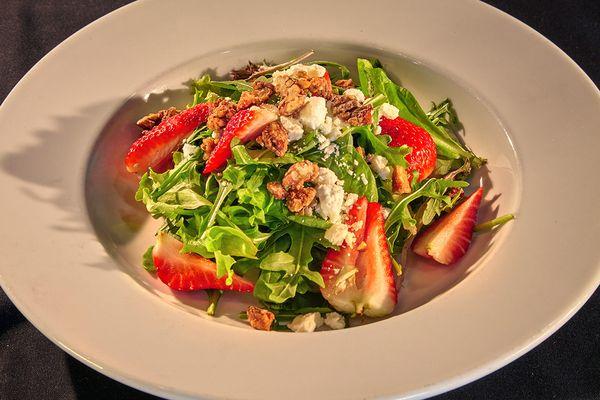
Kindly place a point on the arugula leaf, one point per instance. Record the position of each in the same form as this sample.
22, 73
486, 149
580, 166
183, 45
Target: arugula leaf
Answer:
242, 156
148, 261
350, 167
432, 188
277, 286
374, 80
378, 144
310, 221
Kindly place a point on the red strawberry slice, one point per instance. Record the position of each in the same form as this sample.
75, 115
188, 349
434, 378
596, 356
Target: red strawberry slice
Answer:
190, 271
448, 239
245, 125
423, 156
360, 279
156, 146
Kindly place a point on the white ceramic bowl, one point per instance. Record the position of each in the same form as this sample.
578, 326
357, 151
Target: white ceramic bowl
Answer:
73, 237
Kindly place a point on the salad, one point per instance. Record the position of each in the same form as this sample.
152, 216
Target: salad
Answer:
306, 188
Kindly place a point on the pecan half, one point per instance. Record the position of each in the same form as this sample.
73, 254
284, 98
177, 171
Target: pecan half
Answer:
207, 146
292, 101
321, 87
153, 119
344, 83
220, 115
261, 93
277, 190
350, 110
299, 198
259, 318
275, 138
299, 174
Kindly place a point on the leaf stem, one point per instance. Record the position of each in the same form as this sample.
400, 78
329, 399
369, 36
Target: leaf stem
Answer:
494, 223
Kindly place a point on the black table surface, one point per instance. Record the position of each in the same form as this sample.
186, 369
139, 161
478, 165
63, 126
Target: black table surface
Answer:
565, 366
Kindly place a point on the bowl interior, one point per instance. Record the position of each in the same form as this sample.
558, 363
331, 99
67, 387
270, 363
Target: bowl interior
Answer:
126, 230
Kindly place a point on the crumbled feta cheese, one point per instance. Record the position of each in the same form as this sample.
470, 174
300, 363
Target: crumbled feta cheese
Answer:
306, 322
389, 111
336, 234
332, 127
379, 165
189, 150
313, 70
386, 212
293, 127
378, 130
330, 150
323, 141
364, 179
356, 93
355, 162
334, 320
330, 192
313, 114
351, 198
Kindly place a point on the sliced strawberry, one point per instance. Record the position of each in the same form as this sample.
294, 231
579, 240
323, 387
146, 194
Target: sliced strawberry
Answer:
155, 146
189, 271
448, 239
360, 279
245, 125
423, 156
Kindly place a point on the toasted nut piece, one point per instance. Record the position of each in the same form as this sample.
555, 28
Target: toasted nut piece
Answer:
350, 110
299, 198
360, 151
321, 86
153, 119
400, 180
292, 102
220, 115
361, 246
207, 146
300, 173
275, 138
262, 93
344, 83
276, 190
259, 318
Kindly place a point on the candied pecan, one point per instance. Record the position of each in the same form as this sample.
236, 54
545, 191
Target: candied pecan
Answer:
244, 72
363, 115
275, 138
300, 173
207, 146
276, 190
261, 93
350, 110
321, 86
153, 119
292, 102
259, 318
344, 83
299, 198
220, 115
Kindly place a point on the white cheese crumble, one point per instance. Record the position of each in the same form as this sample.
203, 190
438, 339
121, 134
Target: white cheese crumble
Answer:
364, 179
330, 192
334, 320
356, 93
293, 127
379, 165
313, 70
349, 202
313, 114
336, 234
306, 322
330, 150
189, 150
389, 111
378, 130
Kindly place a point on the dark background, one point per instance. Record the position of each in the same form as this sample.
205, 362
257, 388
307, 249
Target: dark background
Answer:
565, 366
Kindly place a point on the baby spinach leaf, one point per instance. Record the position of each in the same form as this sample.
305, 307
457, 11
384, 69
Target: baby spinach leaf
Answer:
148, 261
